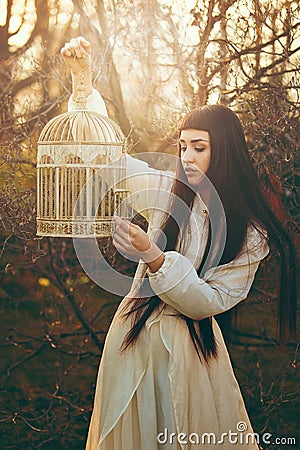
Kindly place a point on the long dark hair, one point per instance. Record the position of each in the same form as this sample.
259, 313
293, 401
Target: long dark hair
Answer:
233, 176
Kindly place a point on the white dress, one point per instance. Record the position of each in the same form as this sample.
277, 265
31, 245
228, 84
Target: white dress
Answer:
158, 394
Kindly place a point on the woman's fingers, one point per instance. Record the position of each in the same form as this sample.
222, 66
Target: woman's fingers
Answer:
76, 54
132, 242
130, 238
78, 47
122, 241
85, 43
121, 236
66, 51
127, 229
122, 228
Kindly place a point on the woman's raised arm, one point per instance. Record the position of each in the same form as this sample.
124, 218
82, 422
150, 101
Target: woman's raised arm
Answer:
142, 181
77, 56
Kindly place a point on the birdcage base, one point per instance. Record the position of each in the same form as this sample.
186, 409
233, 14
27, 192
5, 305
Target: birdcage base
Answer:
79, 229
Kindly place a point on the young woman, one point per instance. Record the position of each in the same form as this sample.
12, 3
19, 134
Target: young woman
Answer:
165, 380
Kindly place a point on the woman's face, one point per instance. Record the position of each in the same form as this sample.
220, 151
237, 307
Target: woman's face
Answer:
194, 153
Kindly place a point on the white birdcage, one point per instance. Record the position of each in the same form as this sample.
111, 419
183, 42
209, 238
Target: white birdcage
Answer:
81, 169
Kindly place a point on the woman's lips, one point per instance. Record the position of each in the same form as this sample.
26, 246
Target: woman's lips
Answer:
190, 171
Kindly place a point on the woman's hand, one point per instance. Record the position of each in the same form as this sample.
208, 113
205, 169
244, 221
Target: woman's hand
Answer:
131, 241
77, 56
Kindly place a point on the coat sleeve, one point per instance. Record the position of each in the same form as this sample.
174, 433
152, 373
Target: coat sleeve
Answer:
95, 103
178, 284
149, 188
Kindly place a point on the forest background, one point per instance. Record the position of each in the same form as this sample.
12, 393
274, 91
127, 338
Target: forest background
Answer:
152, 61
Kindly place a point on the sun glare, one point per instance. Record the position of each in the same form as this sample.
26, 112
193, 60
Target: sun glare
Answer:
3, 12
21, 21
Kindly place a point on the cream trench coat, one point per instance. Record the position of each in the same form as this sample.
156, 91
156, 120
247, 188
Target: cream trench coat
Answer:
158, 394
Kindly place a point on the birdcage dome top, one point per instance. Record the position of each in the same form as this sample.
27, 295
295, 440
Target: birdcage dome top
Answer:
82, 126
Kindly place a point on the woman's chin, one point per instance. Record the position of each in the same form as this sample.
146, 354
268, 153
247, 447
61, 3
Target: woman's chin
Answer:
195, 179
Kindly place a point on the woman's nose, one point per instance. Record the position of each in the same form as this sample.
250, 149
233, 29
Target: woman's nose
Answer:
188, 155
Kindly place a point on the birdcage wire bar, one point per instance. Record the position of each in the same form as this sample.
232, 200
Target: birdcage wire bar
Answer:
81, 176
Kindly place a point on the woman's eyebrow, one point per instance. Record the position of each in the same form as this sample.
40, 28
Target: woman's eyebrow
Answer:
195, 140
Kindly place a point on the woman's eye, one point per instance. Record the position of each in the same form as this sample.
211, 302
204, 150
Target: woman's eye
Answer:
197, 149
